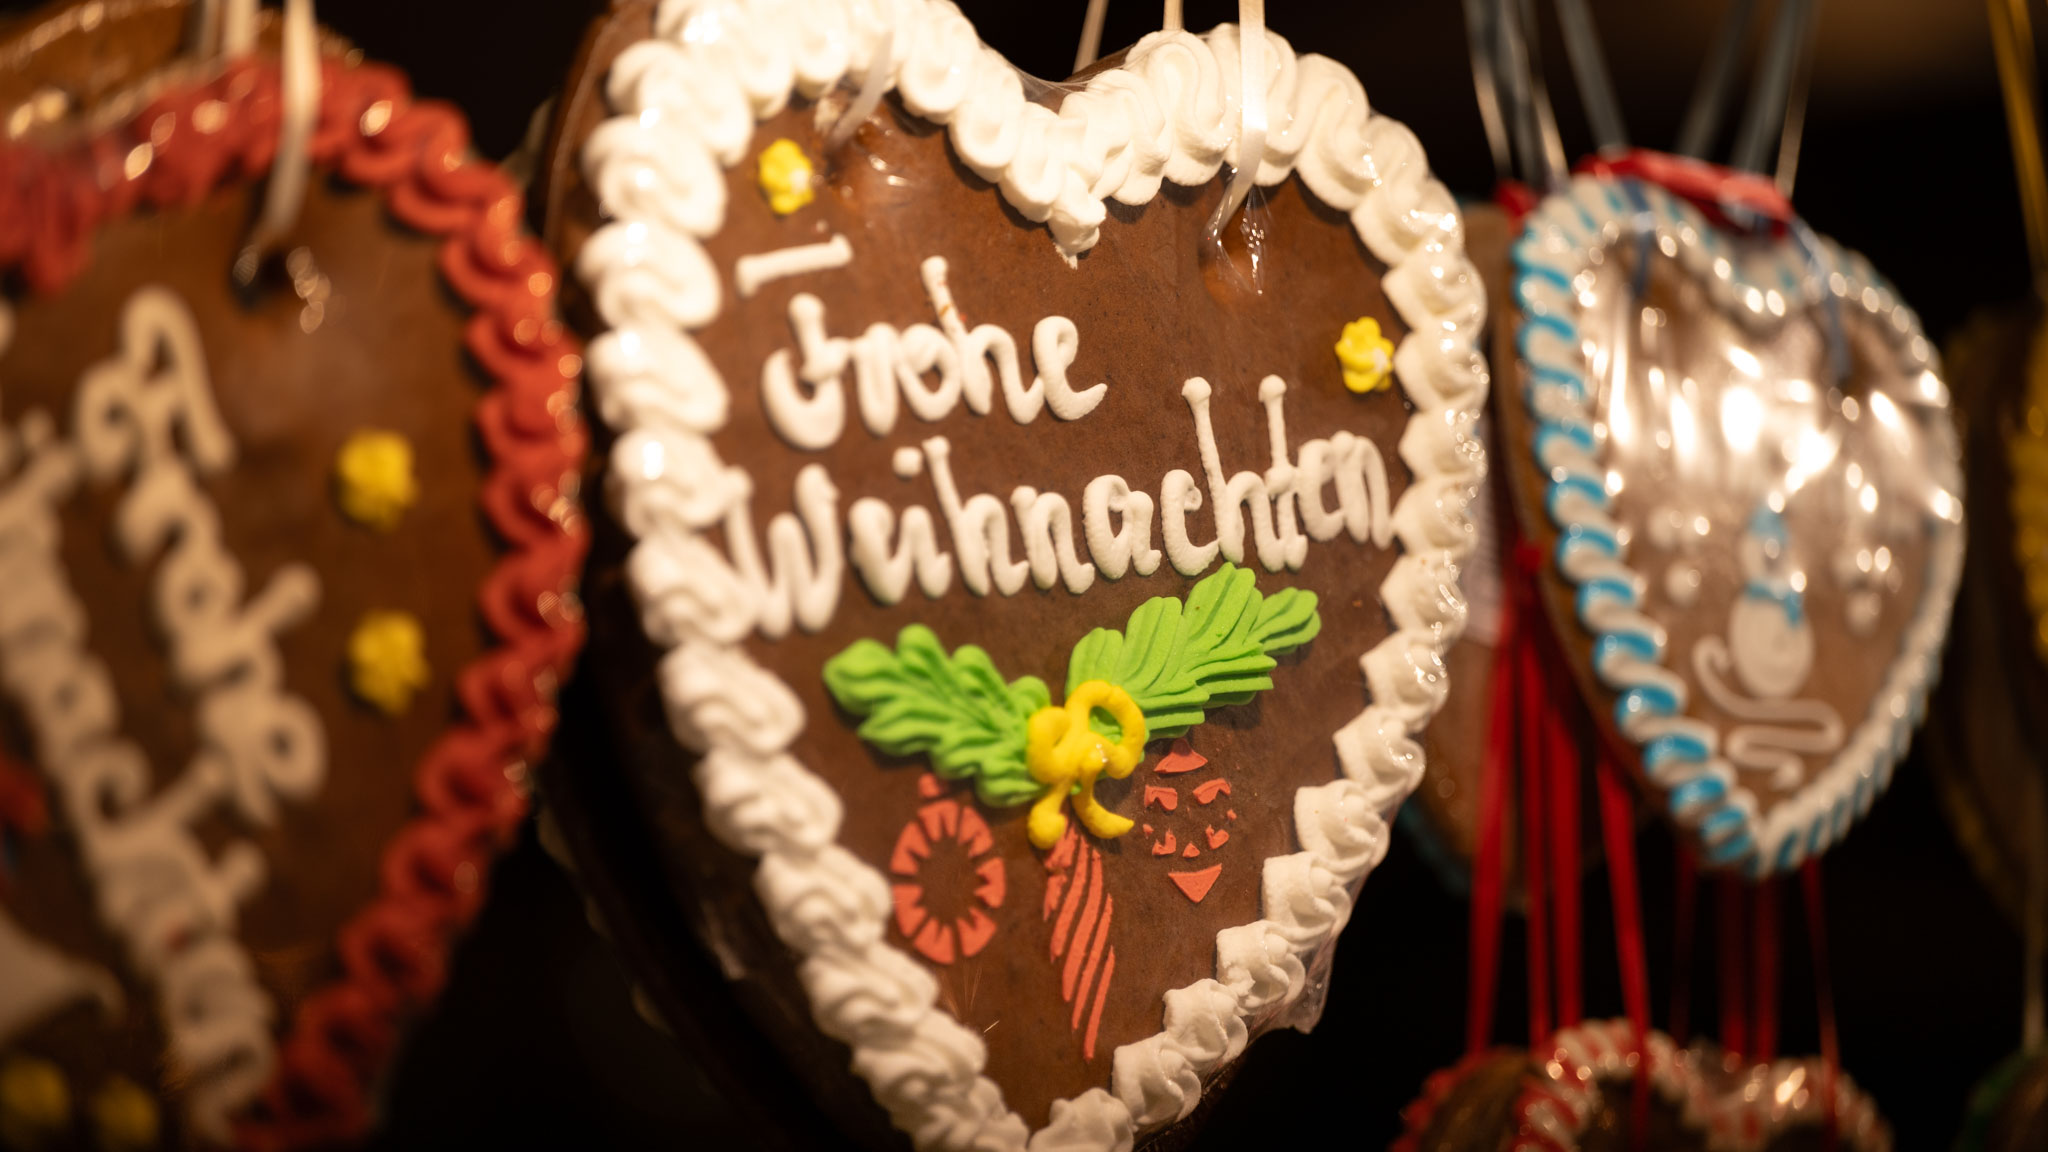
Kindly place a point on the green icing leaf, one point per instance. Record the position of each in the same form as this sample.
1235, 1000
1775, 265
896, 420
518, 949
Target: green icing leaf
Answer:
957, 710
1177, 662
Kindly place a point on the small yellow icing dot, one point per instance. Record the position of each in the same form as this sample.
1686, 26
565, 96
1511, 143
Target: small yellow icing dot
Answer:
124, 1117
373, 478
35, 1102
1366, 356
387, 660
786, 176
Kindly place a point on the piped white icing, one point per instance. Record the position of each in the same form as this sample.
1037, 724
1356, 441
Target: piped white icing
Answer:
37, 981
1169, 112
146, 415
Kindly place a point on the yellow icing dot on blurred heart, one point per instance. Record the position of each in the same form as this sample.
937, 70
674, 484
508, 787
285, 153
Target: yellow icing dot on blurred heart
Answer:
387, 660
1366, 356
35, 1103
785, 174
124, 1117
373, 478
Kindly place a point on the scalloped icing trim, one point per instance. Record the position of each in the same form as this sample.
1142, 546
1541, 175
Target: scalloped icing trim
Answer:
685, 105
1559, 1097
394, 952
1559, 240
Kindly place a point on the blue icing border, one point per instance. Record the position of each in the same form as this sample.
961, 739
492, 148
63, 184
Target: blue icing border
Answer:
1702, 792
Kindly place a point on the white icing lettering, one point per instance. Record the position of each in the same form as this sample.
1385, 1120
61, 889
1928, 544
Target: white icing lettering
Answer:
1046, 522
750, 272
1128, 546
979, 526
887, 573
147, 413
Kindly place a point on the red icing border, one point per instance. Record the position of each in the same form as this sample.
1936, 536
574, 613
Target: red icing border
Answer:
1436, 1091
469, 784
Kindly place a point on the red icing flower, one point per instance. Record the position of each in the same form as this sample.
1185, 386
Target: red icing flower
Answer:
951, 879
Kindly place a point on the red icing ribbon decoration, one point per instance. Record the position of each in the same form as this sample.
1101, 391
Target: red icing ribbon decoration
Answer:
470, 784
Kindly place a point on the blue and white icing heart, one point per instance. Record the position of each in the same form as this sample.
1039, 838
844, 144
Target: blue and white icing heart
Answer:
1715, 445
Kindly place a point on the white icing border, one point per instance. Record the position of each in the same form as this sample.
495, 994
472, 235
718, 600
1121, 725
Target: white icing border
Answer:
1761, 288
686, 103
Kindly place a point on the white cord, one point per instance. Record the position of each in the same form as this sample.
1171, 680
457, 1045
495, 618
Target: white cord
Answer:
881, 69
238, 28
1251, 135
292, 169
1172, 21
1091, 34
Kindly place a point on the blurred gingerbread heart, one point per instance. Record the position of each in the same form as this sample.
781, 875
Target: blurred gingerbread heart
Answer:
1737, 451
289, 513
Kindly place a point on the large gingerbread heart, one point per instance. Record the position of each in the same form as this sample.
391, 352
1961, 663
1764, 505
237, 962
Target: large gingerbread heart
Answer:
1042, 608
1737, 449
290, 563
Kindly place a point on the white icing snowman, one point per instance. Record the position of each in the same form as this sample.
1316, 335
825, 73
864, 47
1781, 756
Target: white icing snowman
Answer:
1770, 639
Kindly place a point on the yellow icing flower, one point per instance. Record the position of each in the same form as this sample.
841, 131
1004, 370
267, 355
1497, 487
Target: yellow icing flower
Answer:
1367, 356
124, 1117
373, 478
387, 660
785, 176
35, 1102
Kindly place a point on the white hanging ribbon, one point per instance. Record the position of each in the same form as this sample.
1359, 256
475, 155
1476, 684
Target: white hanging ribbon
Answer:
1251, 133
1091, 34
292, 169
881, 68
238, 28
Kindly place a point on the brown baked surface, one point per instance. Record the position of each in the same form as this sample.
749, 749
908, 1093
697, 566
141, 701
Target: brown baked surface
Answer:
1147, 322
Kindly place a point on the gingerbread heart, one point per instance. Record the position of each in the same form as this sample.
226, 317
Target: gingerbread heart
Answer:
1737, 450
291, 548
1042, 602
1577, 1092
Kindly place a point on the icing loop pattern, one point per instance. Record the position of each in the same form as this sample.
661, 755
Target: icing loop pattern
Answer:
684, 106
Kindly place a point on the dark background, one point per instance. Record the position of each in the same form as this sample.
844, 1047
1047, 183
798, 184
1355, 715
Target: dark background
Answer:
1906, 158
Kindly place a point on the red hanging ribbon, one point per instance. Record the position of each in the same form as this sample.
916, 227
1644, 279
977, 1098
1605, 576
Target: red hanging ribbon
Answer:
1617, 825
1763, 1028
1561, 753
1482, 966
1824, 1000
1734, 965
1535, 751
1684, 903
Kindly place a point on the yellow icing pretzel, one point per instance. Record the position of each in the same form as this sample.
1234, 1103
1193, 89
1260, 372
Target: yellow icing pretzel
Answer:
1063, 750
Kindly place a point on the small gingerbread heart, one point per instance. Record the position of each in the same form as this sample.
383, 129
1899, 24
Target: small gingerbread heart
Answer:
1736, 449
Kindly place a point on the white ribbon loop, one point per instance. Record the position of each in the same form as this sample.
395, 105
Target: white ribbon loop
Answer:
300, 95
1251, 133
